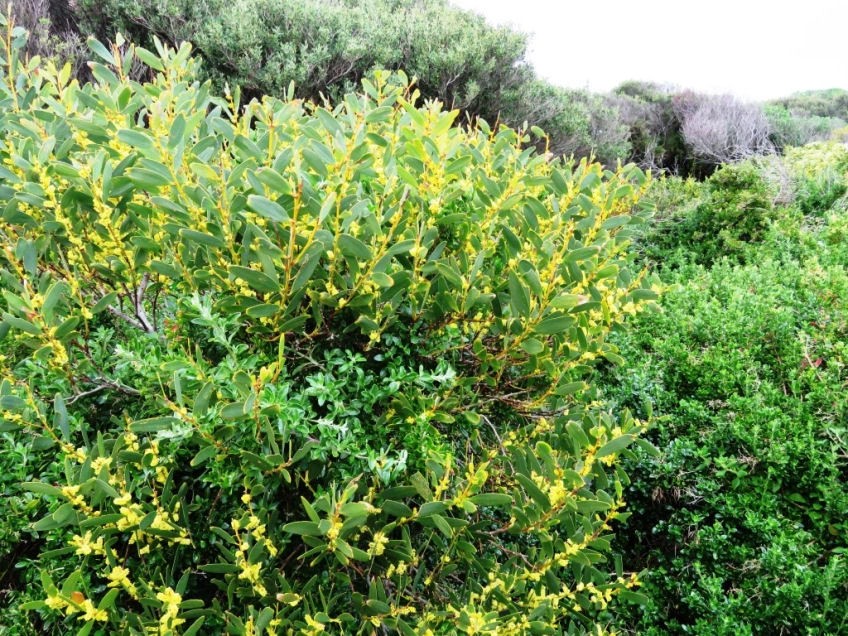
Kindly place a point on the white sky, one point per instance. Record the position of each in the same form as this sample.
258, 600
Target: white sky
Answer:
751, 48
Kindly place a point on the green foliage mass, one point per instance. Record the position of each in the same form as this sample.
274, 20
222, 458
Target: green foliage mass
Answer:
280, 368
717, 218
326, 47
741, 520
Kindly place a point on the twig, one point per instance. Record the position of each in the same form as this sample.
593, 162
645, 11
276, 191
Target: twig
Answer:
105, 384
138, 301
140, 320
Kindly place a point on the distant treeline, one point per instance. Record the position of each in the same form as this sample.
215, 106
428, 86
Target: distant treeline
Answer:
325, 47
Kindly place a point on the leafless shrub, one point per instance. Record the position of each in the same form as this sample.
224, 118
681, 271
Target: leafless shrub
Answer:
52, 31
721, 129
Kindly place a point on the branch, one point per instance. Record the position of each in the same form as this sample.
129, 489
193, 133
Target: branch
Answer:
140, 320
104, 384
138, 301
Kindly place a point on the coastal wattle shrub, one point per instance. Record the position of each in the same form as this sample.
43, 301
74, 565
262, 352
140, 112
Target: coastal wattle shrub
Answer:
280, 368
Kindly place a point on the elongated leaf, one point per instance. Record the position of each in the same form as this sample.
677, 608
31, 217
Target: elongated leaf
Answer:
306, 528
271, 210
260, 281
614, 446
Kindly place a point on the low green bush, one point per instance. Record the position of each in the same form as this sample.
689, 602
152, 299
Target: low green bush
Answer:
283, 368
741, 520
818, 173
719, 218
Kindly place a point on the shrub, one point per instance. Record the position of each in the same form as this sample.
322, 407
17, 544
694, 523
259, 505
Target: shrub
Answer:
831, 102
654, 124
729, 212
579, 123
744, 370
818, 172
304, 368
720, 129
327, 46
792, 129
53, 31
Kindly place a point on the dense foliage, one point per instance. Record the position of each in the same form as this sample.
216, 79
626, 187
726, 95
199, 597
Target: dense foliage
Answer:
741, 520
325, 47
273, 367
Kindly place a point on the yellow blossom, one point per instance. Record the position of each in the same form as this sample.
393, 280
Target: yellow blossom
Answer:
378, 544
119, 577
91, 613
84, 545
100, 463
170, 601
314, 626
55, 602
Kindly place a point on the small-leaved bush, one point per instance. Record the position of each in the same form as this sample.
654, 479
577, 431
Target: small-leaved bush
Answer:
818, 172
741, 520
276, 368
726, 213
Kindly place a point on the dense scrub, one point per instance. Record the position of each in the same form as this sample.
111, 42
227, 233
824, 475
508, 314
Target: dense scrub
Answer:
273, 367
741, 520
325, 47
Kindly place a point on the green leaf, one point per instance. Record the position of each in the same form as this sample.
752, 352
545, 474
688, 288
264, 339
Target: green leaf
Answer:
203, 455
106, 488
194, 629
589, 506
153, 424
201, 237
219, 568
104, 302
108, 600
494, 499
60, 417
533, 491
432, 508
233, 411
263, 311
64, 513
519, 296
305, 528
271, 210
12, 403
615, 445
264, 619
21, 324
395, 508
41, 488
644, 294
351, 246
66, 327
101, 51
570, 388
259, 281
576, 432
442, 525
53, 296
137, 139
383, 113
634, 597
149, 58
33, 605
532, 346
554, 325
